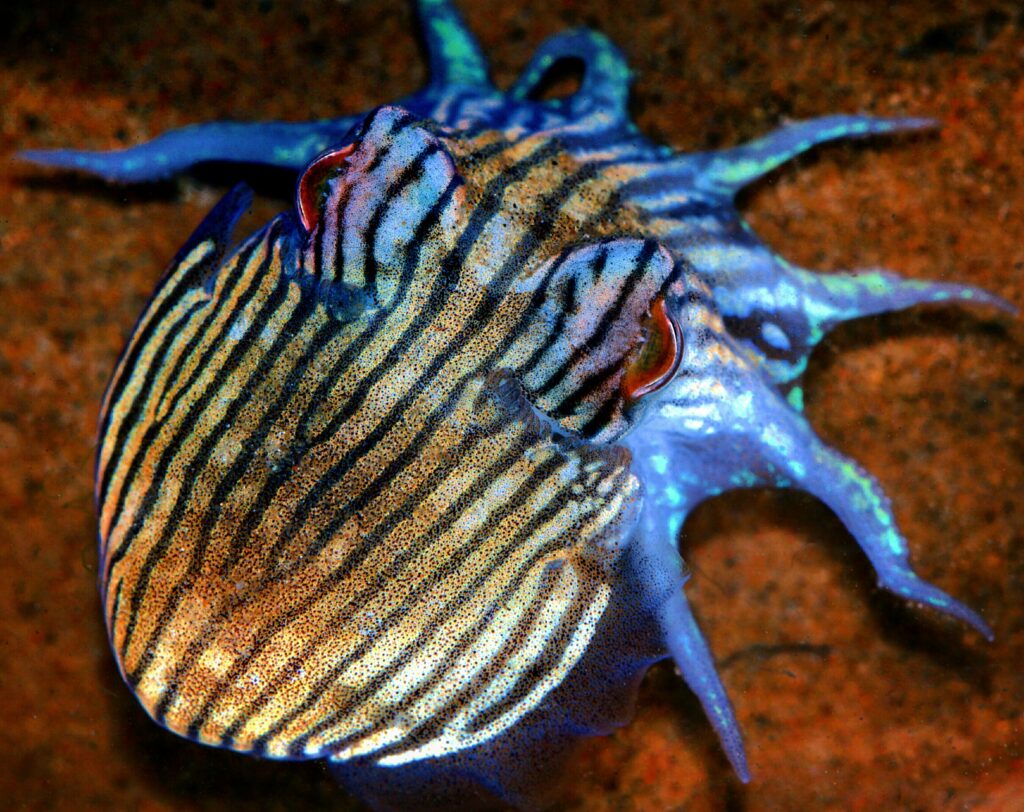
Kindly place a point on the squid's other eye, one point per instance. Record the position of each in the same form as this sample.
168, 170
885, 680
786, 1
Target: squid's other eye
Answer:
657, 355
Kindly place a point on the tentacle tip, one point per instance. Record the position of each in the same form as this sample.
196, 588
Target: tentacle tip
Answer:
723, 720
918, 123
739, 766
74, 159
918, 591
975, 295
735, 752
968, 616
981, 627
110, 166
870, 291
1005, 305
42, 157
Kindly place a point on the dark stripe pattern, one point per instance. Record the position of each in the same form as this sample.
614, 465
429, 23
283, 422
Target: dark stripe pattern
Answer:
350, 500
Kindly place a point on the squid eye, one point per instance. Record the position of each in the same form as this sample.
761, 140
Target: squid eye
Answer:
656, 358
312, 185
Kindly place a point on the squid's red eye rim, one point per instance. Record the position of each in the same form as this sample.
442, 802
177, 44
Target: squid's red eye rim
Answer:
309, 194
658, 360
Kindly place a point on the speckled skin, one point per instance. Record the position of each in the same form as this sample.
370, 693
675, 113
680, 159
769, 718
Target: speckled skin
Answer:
942, 484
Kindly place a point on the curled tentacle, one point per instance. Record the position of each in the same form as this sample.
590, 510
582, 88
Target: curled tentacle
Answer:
604, 87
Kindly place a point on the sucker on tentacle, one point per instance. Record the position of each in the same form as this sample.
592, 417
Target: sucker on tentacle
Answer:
399, 480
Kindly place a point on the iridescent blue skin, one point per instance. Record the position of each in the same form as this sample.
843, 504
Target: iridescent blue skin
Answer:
731, 418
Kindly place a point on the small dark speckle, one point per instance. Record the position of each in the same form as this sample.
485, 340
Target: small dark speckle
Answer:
967, 36
65, 338
980, 403
29, 609
735, 67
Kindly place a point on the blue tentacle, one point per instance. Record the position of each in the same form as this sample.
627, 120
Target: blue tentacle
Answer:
696, 664
656, 560
720, 425
454, 54
783, 311
727, 171
777, 309
275, 143
726, 427
713, 178
606, 80
455, 61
